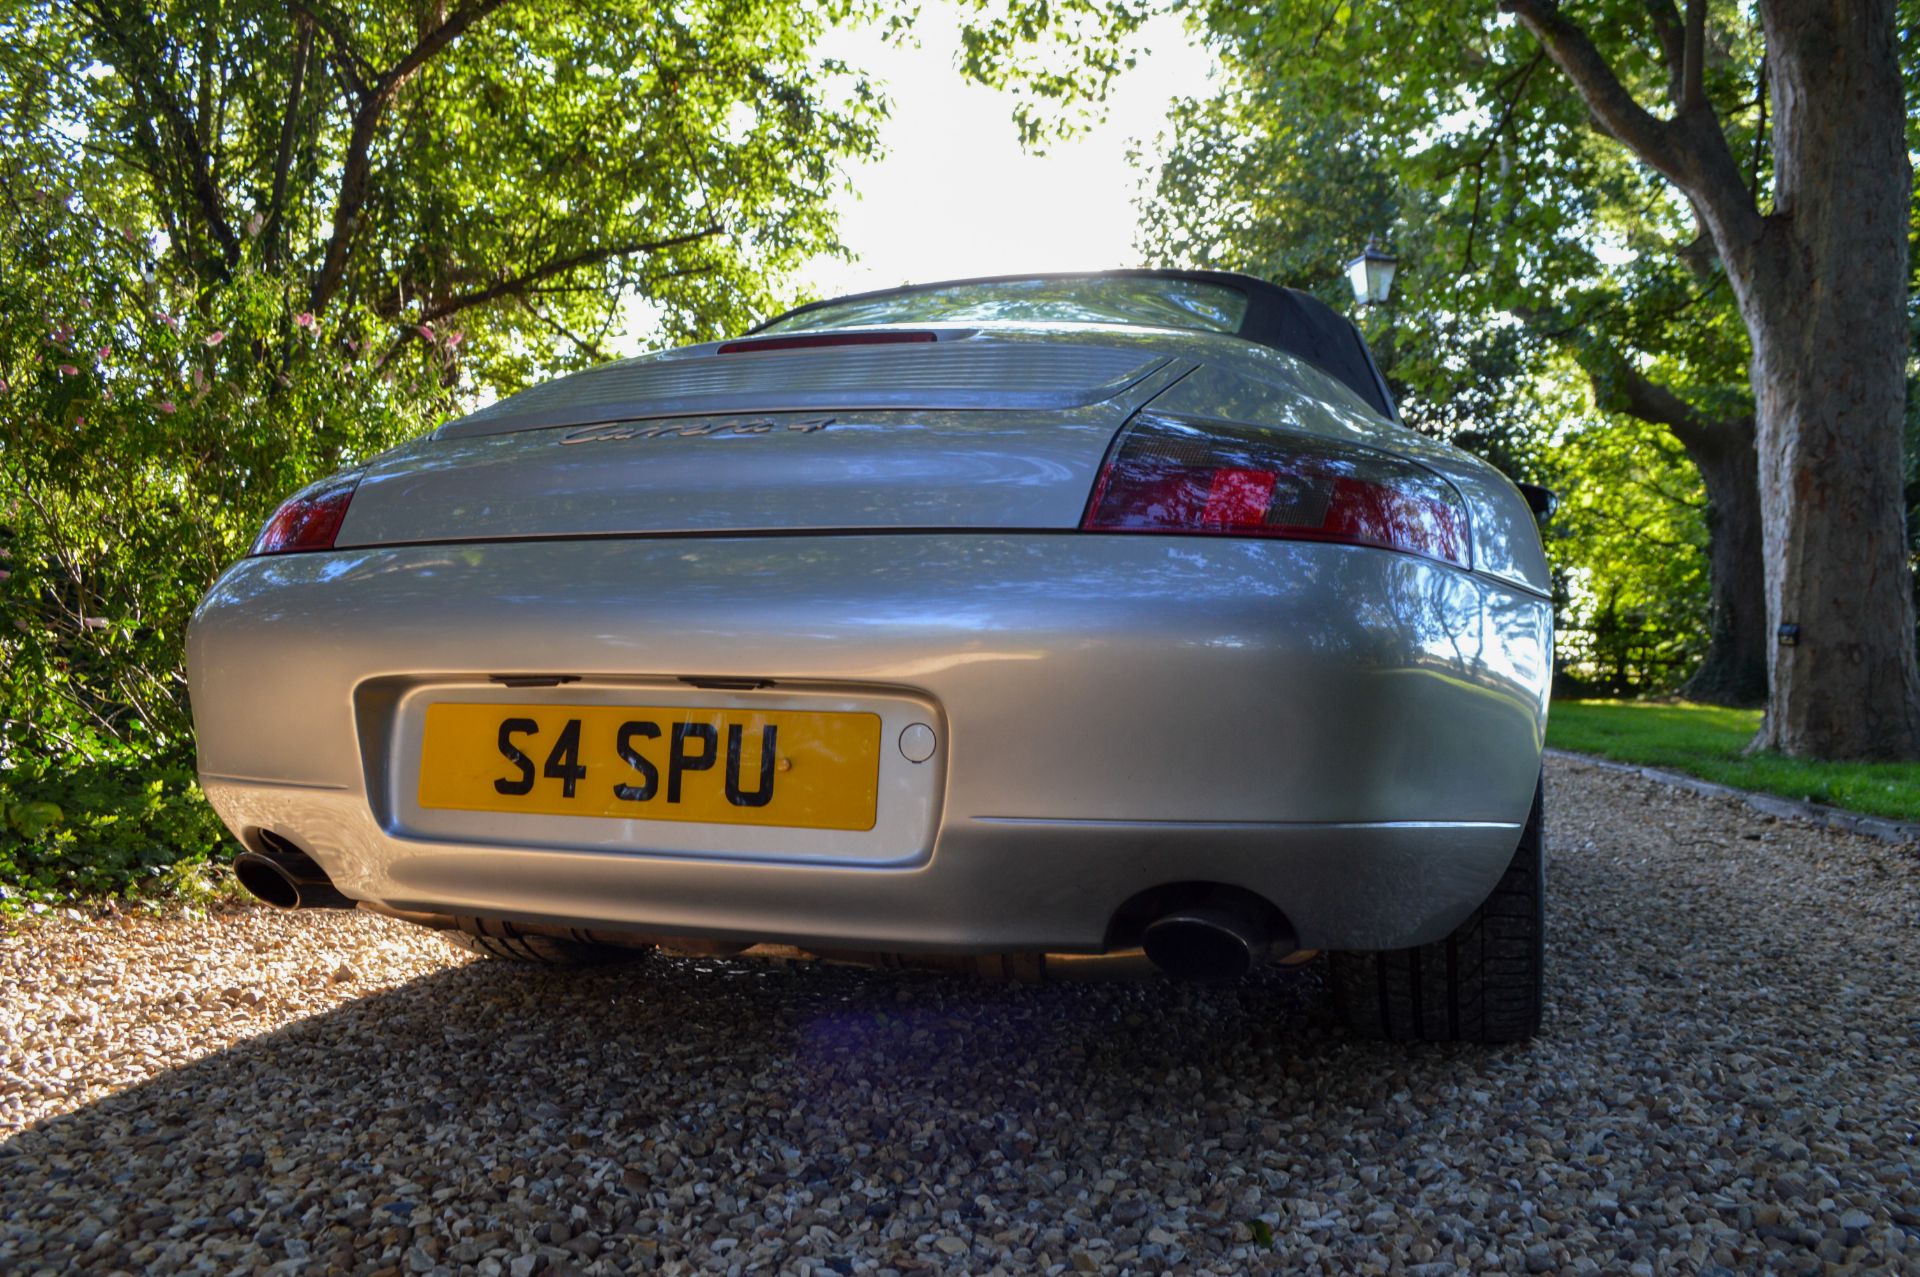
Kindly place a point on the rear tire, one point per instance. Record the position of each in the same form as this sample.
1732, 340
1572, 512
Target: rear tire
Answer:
1483, 983
503, 940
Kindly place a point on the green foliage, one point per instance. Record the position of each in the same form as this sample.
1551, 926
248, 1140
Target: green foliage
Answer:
1710, 742
125, 827
150, 425
1628, 547
245, 245
530, 168
1446, 133
1056, 58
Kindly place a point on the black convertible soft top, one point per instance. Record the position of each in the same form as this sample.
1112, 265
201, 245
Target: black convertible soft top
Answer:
1284, 319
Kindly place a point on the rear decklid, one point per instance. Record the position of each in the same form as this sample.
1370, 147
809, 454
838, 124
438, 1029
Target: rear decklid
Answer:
882, 369
963, 431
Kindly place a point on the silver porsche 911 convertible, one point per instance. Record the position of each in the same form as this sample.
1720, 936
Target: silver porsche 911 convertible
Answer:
1037, 615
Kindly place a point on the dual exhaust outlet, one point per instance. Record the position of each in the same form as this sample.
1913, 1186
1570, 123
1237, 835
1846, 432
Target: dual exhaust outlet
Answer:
1210, 943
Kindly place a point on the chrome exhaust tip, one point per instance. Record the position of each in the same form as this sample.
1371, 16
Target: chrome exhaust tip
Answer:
1207, 943
287, 878
266, 881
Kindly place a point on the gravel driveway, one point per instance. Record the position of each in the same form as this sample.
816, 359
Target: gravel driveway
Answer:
1727, 1084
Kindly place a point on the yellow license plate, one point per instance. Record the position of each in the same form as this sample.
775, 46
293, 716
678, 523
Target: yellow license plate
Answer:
638, 762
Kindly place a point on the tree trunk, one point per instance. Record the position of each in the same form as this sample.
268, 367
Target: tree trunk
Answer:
1823, 291
1735, 669
1822, 287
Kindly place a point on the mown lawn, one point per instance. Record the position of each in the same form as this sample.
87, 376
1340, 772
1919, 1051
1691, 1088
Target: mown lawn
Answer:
1706, 741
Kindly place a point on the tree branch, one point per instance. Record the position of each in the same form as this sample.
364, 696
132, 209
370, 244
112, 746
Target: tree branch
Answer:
523, 284
1520, 79
1690, 150
189, 156
1661, 490
1640, 396
1620, 387
591, 347
283, 159
1672, 34
1638, 531
352, 66
356, 169
518, 284
1693, 80
1627, 389
1611, 104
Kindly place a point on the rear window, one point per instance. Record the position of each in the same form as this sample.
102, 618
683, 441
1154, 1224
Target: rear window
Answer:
1155, 303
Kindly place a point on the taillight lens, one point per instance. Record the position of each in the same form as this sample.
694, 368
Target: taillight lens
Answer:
309, 519
1213, 478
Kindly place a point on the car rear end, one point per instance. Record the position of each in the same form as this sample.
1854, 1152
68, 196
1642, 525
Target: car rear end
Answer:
982, 642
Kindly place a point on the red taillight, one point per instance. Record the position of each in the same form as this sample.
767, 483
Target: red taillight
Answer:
808, 340
1227, 480
309, 519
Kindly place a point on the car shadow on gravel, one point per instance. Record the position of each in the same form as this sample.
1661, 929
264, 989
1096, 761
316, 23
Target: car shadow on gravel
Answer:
657, 1104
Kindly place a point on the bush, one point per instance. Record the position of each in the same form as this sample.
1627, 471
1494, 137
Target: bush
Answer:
227, 270
150, 426
123, 827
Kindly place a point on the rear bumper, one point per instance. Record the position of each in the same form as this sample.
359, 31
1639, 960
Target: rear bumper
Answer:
1352, 734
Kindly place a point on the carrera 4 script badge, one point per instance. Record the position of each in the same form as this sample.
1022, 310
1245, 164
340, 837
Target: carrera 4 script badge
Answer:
695, 428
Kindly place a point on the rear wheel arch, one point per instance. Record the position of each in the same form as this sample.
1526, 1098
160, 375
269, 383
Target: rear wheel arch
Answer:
1484, 982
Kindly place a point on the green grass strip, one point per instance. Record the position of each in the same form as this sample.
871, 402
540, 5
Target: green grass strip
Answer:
1707, 741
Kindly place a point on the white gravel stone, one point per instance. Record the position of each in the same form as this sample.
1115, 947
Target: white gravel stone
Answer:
1726, 1085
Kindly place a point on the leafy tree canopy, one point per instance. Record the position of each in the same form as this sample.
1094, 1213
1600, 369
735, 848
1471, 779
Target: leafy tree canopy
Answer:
519, 169
244, 244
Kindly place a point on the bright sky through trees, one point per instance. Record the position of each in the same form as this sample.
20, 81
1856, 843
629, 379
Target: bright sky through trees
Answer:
956, 196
